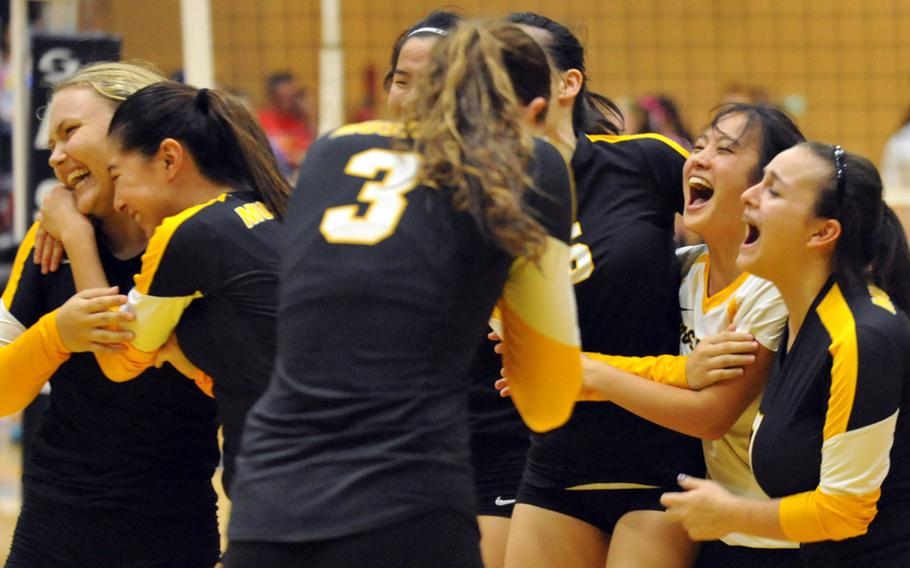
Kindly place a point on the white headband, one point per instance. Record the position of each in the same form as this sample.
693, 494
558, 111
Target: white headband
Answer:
436, 31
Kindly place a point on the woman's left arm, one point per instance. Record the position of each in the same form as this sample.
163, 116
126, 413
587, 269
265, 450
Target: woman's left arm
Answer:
860, 421
863, 406
62, 221
708, 511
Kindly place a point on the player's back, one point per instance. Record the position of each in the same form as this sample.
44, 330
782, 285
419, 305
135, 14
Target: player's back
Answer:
380, 275
384, 290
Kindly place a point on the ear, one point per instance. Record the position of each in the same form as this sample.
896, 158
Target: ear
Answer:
571, 82
532, 112
827, 231
172, 155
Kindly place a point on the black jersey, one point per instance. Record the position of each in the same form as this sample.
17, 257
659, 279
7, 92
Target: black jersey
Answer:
495, 422
384, 291
214, 269
149, 446
626, 276
833, 434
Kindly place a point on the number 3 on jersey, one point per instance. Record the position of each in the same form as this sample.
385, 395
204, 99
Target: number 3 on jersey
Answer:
385, 198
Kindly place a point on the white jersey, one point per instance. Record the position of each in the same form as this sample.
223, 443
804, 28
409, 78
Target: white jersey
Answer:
756, 307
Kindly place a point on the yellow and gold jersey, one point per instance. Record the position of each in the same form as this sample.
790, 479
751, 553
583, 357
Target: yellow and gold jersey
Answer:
210, 273
385, 289
148, 447
754, 306
832, 437
626, 279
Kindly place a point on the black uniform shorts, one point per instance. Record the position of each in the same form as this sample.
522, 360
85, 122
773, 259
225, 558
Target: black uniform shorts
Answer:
601, 508
59, 536
497, 476
441, 539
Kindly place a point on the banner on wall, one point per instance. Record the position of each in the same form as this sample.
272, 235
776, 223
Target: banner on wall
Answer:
54, 58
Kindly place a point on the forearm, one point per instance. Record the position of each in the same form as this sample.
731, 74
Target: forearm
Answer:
82, 251
695, 413
757, 517
666, 369
28, 362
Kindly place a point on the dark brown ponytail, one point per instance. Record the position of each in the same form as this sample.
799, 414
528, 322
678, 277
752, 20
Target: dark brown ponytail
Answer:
225, 139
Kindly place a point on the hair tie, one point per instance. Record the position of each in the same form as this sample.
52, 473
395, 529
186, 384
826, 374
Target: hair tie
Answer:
202, 100
428, 30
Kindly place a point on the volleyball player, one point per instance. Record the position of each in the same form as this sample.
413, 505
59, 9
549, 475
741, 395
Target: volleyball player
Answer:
118, 476
499, 438
193, 168
580, 479
831, 443
410, 54
399, 243
726, 159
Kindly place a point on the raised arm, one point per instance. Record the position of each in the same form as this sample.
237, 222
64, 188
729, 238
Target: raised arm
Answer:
61, 220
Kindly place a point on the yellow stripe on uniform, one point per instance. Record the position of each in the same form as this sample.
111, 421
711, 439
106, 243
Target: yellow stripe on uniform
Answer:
530, 292
854, 465
614, 138
814, 516
665, 369
159, 241
542, 340
610, 486
544, 374
378, 127
881, 299
838, 320
22, 256
121, 366
708, 303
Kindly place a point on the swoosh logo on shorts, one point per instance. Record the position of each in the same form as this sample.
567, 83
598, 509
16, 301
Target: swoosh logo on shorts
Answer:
500, 502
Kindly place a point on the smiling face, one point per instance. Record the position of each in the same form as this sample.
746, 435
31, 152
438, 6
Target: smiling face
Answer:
780, 214
414, 55
721, 166
141, 190
78, 122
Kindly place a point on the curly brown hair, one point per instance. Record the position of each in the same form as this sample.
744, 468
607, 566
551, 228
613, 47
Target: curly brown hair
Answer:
466, 122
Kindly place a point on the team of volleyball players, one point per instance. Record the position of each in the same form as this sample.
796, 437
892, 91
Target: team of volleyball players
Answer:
339, 336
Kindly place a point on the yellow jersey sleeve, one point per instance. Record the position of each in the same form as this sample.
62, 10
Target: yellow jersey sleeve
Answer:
27, 362
540, 330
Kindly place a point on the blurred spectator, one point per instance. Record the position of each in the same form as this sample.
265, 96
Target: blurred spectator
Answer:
896, 166
6, 139
749, 94
287, 121
657, 113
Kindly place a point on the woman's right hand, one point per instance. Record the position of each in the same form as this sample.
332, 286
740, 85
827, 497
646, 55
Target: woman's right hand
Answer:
502, 384
90, 321
720, 357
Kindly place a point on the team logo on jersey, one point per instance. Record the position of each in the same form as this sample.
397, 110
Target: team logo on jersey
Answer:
687, 336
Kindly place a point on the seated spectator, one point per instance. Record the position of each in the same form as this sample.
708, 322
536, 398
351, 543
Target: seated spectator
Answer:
286, 121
